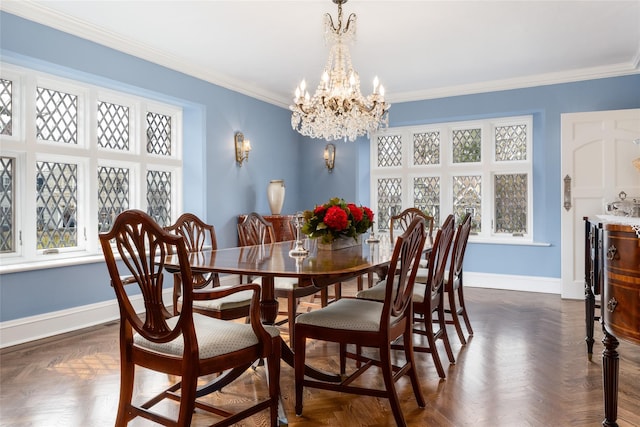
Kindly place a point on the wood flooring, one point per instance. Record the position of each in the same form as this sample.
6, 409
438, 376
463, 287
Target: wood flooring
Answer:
526, 365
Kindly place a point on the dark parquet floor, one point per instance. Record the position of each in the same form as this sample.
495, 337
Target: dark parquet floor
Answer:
526, 365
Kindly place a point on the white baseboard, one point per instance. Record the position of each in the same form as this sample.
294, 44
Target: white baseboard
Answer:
547, 285
32, 328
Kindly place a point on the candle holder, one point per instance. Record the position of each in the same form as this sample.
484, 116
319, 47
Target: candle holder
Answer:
372, 237
299, 250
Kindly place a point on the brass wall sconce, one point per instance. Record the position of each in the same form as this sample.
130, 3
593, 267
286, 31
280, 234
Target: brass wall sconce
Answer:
330, 156
243, 146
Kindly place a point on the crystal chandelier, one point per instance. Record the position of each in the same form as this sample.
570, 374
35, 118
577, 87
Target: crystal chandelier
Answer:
337, 109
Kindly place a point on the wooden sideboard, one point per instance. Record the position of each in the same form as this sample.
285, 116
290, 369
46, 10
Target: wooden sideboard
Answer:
620, 306
281, 226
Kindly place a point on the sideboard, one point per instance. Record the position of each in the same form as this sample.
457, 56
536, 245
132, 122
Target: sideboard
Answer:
281, 226
620, 305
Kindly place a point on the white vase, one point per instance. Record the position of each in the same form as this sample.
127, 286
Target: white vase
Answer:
275, 195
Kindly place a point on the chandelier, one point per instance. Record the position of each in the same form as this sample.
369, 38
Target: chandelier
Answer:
337, 109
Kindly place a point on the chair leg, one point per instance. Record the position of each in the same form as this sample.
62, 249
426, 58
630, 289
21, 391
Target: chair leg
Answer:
343, 358
444, 335
324, 297
413, 374
299, 347
273, 366
187, 399
127, 375
463, 307
338, 291
387, 375
453, 309
359, 283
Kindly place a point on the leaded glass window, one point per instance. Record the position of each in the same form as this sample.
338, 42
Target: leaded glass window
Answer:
6, 107
511, 203
426, 196
389, 150
158, 134
159, 196
113, 195
56, 116
113, 126
7, 194
56, 202
511, 143
389, 201
426, 148
467, 198
467, 145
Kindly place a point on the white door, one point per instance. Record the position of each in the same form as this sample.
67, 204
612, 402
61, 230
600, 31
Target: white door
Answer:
598, 149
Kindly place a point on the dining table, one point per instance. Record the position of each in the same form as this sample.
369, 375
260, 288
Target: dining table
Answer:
299, 259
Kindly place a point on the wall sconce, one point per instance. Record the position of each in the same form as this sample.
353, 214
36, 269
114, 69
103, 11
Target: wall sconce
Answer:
330, 156
243, 146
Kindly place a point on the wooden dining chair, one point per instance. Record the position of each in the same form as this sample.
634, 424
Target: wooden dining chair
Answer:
369, 323
188, 345
403, 219
428, 297
253, 231
197, 234
453, 284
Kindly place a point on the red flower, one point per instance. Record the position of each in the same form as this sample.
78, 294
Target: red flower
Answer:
318, 210
369, 212
355, 211
336, 218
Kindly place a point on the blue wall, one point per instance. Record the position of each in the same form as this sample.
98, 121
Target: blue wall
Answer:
218, 190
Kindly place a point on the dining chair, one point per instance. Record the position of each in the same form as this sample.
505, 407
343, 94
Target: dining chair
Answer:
428, 297
369, 323
197, 234
253, 231
453, 284
189, 345
403, 219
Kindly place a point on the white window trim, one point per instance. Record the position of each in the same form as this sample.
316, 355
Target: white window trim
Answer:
27, 150
446, 170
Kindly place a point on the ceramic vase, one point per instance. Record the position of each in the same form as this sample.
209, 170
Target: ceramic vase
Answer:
340, 243
275, 195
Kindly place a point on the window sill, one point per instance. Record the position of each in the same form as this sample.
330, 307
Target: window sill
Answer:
7, 267
513, 242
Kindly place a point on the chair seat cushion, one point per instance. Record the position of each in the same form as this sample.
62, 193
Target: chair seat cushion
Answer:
215, 337
284, 283
238, 299
377, 292
346, 314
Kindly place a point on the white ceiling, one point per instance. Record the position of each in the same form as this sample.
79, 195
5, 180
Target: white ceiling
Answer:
419, 49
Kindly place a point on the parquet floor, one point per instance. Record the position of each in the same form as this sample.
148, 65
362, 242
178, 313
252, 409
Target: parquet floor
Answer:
525, 366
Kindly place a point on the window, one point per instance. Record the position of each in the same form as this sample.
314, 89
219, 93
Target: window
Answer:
481, 167
89, 153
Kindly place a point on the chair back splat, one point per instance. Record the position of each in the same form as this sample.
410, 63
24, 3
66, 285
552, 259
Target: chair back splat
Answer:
189, 344
369, 323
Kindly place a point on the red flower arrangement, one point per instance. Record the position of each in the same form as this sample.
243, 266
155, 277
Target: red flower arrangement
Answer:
335, 219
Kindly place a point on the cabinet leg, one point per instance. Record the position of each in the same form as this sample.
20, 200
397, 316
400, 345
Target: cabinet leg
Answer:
610, 367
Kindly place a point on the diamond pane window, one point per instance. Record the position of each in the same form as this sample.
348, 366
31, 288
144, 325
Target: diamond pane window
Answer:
56, 202
7, 192
113, 195
56, 116
6, 107
113, 126
159, 196
426, 196
467, 198
389, 150
467, 145
511, 203
426, 148
511, 143
158, 134
389, 200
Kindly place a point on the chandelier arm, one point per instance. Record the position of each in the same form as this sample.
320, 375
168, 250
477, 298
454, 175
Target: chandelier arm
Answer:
301, 108
363, 107
352, 18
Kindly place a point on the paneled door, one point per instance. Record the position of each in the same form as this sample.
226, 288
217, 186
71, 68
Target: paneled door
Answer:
598, 149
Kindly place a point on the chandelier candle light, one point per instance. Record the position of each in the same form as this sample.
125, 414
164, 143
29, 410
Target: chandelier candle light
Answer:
338, 110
